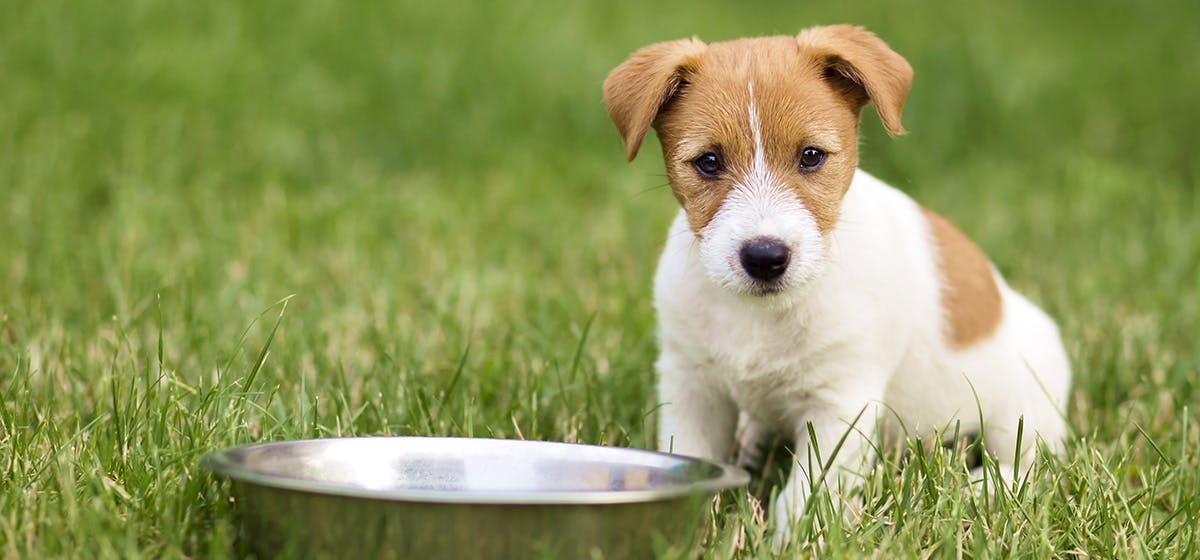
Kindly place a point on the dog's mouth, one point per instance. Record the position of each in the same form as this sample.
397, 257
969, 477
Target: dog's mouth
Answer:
766, 289
739, 282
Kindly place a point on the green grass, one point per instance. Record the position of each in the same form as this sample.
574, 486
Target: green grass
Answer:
437, 189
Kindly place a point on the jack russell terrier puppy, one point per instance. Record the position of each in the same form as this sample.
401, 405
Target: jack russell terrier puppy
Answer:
805, 296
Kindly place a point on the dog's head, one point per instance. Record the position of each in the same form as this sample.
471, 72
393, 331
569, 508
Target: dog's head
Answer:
760, 138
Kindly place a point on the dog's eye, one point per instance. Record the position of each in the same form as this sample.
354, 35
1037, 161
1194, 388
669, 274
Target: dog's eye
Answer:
811, 158
709, 165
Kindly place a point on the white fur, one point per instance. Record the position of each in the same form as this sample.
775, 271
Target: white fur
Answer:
858, 329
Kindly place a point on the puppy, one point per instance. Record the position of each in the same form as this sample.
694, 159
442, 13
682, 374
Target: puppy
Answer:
805, 294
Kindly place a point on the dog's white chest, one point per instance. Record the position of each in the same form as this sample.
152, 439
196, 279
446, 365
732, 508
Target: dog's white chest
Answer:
768, 360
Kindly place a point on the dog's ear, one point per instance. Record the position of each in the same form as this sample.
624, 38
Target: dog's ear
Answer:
635, 91
863, 67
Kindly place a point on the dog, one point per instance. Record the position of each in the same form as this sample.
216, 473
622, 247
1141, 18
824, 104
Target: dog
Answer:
799, 295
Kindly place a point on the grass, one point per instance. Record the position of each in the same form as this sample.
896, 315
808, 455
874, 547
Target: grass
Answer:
227, 222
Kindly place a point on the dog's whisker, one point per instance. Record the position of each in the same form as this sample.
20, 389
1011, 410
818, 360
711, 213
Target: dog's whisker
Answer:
651, 189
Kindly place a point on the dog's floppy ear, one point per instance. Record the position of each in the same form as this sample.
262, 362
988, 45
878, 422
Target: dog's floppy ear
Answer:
863, 66
635, 91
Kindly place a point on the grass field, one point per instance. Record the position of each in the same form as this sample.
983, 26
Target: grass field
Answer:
429, 203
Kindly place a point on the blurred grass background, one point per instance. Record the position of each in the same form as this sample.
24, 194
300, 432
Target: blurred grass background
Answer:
439, 187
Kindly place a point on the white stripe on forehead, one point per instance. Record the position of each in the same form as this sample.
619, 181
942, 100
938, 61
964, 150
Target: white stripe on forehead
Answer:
758, 174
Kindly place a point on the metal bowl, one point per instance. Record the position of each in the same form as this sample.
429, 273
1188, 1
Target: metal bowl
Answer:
424, 497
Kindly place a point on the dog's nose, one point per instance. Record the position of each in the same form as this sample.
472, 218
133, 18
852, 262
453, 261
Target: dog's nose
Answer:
765, 259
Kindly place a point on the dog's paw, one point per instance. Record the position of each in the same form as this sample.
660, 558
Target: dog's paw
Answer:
784, 512
752, 438
782, 536
749, 457
978, 482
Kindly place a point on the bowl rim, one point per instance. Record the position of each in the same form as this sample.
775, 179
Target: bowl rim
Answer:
725, 477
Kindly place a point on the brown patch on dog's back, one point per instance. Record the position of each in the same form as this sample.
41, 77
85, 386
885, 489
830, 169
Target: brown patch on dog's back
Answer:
970, 298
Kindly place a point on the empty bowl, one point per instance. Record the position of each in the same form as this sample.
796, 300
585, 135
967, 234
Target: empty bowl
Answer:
427, 497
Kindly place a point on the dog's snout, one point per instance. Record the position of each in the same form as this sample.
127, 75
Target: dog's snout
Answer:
764, 258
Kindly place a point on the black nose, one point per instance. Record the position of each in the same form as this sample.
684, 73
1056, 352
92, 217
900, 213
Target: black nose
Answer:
765, 259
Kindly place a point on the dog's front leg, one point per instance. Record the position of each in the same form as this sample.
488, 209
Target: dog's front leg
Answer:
694, 418
843, 450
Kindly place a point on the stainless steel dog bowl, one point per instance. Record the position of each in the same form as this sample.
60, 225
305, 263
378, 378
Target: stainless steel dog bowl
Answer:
418, 497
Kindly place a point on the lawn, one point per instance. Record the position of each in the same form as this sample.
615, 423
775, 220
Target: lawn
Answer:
225, 222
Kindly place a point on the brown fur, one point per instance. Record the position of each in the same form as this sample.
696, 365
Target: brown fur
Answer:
808, 91
636, 90
971, 300
870, 69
